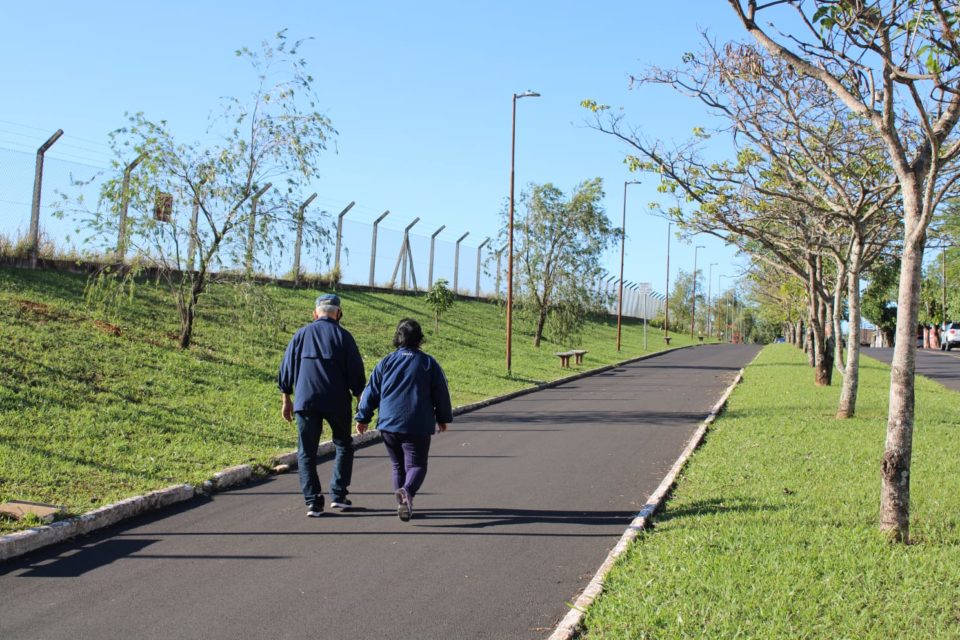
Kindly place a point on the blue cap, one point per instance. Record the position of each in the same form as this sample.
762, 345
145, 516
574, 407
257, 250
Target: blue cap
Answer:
328, 300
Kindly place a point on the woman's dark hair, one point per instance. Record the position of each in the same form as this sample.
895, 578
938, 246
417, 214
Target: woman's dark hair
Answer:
409, 334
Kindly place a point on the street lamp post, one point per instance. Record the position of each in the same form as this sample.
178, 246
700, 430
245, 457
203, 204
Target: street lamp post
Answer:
623, 240
693, 301
666, 300
513, 147
725, 306
709, 295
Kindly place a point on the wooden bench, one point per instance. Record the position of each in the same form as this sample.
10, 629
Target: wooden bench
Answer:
576, 354
667, 339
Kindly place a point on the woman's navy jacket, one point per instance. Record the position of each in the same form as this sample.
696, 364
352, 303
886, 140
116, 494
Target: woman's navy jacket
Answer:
410, 389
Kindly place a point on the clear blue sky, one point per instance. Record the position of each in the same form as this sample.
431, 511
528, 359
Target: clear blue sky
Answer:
420, 93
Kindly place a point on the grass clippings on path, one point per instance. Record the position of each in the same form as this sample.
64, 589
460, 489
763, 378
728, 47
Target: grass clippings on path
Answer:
772, 529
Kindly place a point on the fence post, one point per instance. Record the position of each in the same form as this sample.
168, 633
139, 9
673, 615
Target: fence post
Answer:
301, 214
35, 208
373, 245
252, 228
124, 205
433, 240
456, 261
194, 220
336, 259
499, 255
404, 257
482, 245
608, 283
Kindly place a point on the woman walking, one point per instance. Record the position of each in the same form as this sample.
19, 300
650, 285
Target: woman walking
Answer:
410, 390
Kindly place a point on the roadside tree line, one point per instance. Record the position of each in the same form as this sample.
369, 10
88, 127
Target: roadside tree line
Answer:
843, 115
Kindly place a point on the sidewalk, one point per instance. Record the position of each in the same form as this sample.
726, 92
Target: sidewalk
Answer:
521, 505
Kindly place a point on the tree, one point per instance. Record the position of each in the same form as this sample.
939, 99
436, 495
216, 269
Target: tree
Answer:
896, 65
803, 160
879, 299
681, 295
559, 242
440, 299
275, 135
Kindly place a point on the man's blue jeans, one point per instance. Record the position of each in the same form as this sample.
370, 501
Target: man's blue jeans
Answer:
309, 427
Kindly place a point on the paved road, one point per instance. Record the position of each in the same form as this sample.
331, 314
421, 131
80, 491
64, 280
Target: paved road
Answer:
523, 501
942, 366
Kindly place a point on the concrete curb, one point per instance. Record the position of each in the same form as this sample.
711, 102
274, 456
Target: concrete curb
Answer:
22, 542
570, 625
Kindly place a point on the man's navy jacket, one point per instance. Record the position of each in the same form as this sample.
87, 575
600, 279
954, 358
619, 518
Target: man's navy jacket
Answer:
322, 367
410, 389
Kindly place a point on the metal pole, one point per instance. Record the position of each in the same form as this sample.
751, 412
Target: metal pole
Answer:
645, 321
252, 227
373, 246
513, 146
192, 245
943, 259
693, 302
301, 214
35, 208
482, 245
499, 256
666, 314
336, 259
609, 283
456, 261
623, 242
124, 204
404, 257
433, 240
709, 297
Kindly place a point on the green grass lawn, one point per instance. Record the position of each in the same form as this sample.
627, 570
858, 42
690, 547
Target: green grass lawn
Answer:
99, 405
772, 529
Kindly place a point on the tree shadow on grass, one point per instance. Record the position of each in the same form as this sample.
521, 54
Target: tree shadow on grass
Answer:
714, 506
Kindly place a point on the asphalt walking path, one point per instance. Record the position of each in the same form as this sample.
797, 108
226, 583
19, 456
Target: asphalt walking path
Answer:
942, 366
522, 503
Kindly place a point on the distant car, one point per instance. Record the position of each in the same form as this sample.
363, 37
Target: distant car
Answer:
780, 339
950, 336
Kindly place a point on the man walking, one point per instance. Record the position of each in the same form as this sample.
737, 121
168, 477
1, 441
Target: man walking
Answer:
322, 368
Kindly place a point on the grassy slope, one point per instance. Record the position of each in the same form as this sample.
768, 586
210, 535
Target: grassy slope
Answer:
88, 417
772, 531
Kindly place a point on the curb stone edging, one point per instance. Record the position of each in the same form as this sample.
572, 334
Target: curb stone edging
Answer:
571, 625
22, 542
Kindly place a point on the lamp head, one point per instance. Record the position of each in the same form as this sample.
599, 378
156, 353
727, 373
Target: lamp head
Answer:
527, 94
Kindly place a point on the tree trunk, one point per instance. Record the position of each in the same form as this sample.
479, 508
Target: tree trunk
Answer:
188, 310
541, 321
898, 449
851, 376
836, 314
886, 337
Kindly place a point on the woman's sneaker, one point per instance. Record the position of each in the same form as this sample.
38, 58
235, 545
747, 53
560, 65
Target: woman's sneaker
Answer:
341, 503
404, 504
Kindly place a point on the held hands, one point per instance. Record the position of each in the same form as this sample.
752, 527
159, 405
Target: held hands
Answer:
441, 426
361, 427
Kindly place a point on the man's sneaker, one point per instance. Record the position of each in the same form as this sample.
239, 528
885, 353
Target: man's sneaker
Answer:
341, 503
316, 509
404, 504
